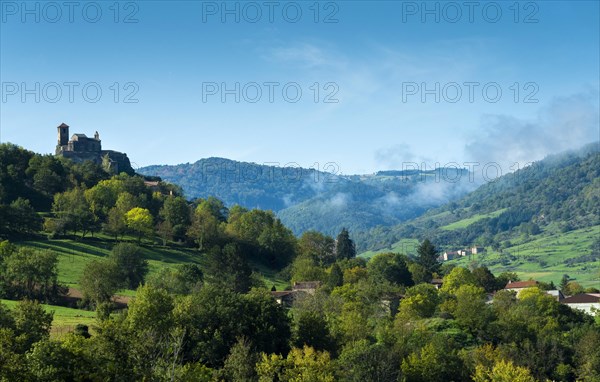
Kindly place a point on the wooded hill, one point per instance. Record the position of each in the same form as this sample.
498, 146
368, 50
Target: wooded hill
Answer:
326, 201
541, 216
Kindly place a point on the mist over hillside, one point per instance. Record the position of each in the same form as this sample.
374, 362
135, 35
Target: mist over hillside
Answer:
556, 195
307, 199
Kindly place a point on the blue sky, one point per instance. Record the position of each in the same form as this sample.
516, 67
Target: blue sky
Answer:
373, 58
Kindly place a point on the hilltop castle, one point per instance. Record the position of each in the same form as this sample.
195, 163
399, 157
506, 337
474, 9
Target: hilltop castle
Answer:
80, 148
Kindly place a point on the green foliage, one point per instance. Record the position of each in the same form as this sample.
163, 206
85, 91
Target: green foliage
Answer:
390, 267
311, 329
73, 212
436, 361
26, 273
317, 246
185, 279
503, 372
362, 361
176, 213
228, 268
427, 257
99, 281
345, 248
419, 301
139, 220
129, 263
301, 365
239, 365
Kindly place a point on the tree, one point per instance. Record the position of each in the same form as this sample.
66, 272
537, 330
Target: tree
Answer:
305, 269
318, 246
99, 281
176, 213
72, 208
228, 268
344, 248
116, 224
130, 263
204, 228
31, 324
185, 279
485, 279
390, 267
573, 288
336, 276
419, 301
19, 218
239, 365
456, 278
471, 311
427, 257
504, 277
301, 365
503, 371
29, 273
213, 319
564, 283
436, 361
311, 329
139, 220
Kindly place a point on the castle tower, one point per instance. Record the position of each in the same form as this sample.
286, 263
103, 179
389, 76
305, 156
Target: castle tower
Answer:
63, 134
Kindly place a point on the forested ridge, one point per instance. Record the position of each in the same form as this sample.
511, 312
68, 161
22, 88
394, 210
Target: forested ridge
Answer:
320, 198
560, 193
208, 314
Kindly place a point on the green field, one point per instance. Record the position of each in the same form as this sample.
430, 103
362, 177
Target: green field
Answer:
404, 246
74, 254
544, 258
464, 223
64, 319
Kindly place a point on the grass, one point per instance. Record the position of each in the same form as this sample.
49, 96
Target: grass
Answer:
64, 319
270, 277
544, 258
404, 246
464, 223
74, 255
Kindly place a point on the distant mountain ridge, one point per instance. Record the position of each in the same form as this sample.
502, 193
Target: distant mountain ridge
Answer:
308, 199
558, 193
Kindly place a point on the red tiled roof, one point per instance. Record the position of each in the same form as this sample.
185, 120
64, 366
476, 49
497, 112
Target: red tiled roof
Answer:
582, 298
281, 293
521, 284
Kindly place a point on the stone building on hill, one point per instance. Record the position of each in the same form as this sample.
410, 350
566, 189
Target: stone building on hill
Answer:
80, 148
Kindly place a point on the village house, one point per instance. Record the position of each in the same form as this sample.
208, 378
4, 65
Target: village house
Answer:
299, 290
306, 286
285, 298
437, 283
518, 286
586, 302
451, 255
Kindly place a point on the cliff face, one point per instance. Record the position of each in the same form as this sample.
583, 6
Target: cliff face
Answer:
118, 162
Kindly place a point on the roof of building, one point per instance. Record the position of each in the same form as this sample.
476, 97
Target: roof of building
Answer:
307, 284
521, 284
282, 293
63, 125
436, 281
582, 298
